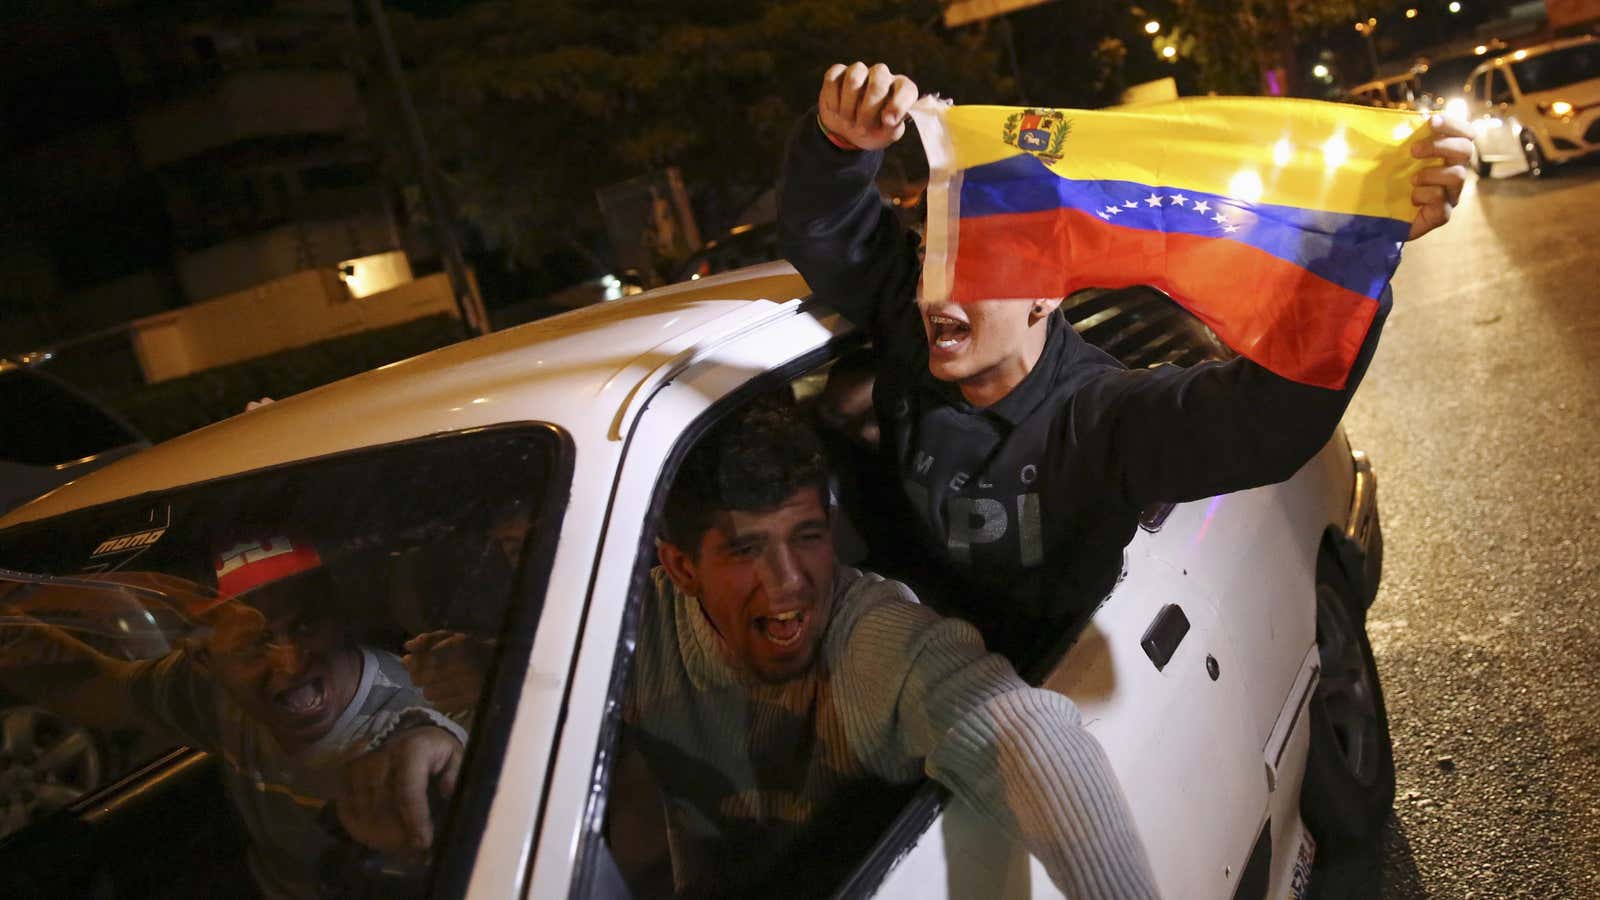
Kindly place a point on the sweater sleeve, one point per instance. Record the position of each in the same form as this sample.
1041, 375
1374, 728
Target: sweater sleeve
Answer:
921, 687
836, 230
1173, 434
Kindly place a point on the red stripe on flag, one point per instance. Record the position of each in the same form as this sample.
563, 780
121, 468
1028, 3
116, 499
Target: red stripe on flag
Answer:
1286, 319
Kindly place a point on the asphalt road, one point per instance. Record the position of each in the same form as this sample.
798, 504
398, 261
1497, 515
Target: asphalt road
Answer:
1482, 415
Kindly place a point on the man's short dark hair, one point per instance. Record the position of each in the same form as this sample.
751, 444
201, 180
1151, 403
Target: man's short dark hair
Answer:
753, 460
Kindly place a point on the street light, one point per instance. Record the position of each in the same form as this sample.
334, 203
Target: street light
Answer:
1169, 51
1454, 6
1319, 70
1152, 26
1411, 13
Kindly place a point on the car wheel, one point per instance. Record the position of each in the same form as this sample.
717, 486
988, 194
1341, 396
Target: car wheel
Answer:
46, 762
1349, 783
1535, 156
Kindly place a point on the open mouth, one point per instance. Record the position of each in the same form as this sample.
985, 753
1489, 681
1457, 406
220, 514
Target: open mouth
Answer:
303, 699
782, 629
947, 333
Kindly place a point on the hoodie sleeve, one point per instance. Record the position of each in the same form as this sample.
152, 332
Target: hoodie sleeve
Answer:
836, 230
1173, 434
918, 688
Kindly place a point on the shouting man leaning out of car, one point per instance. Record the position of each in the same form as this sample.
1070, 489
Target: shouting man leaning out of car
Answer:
277, 688
797, 686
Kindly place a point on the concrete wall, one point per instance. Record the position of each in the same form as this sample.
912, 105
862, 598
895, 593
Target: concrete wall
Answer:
293, 311
277, 252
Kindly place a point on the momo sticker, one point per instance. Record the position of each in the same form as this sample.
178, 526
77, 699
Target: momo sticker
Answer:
122, 543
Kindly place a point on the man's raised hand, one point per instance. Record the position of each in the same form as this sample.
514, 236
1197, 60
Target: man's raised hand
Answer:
1438, 188
865, 107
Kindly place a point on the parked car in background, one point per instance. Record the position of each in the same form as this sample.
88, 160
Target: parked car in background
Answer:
506, 487
743, 245
1395, 92
1536, 106
52, 433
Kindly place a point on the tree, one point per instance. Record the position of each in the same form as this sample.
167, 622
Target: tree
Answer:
532, 104
1236, 41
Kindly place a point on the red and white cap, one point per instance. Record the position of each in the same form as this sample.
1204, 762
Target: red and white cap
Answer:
249, 563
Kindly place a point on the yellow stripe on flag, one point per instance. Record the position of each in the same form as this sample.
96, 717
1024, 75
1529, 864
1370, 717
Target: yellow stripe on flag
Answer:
1301, 153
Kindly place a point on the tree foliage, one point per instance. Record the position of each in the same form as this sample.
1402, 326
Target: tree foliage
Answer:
1236, 40
530, 105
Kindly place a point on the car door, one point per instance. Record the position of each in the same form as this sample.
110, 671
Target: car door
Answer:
1500, 140
575, 855
1177, 735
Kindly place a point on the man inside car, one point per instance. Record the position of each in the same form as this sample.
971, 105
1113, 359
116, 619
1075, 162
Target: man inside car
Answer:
1025, 453
773, 690
273, 684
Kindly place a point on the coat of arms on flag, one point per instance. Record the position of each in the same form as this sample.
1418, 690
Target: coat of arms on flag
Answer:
1037, 131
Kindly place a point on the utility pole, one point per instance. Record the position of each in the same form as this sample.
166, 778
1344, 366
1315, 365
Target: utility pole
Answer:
455, 265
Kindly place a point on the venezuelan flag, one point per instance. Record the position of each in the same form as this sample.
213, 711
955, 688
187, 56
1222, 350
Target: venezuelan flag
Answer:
1277, 222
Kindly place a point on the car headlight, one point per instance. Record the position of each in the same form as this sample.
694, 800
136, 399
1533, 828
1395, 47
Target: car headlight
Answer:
1559, 109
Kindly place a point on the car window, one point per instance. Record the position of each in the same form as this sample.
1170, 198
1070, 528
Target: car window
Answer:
48, 425
1499, 90
285, 623
1558, 68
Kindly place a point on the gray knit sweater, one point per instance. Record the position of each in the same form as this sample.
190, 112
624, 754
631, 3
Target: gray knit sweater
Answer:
751, 772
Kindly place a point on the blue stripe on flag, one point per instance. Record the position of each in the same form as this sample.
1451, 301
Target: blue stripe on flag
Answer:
1358, 253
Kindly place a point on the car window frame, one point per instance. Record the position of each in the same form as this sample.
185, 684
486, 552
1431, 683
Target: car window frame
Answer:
463, 823
593, 853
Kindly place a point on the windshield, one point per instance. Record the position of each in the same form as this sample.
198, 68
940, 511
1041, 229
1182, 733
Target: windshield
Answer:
284, 622
1558, 68
1446, 77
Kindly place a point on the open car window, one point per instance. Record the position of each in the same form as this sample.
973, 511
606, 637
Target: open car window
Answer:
282, 623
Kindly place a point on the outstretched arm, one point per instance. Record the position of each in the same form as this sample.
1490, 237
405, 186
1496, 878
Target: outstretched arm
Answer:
919, 687
832, 225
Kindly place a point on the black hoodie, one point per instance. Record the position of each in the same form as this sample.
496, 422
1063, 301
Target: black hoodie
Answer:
1031, 500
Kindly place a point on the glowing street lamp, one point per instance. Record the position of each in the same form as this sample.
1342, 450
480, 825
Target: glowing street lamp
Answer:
1169, 51
1454, 6
1319, 70
1151, 27
1411, 13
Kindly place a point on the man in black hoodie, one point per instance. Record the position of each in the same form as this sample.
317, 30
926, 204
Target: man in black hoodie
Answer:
1025, 453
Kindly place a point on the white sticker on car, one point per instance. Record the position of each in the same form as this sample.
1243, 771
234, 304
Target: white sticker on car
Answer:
1300, 881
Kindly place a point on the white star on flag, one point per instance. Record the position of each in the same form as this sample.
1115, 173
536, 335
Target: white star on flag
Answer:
1230, 228
1113, 210
1154, 199
1201, 207
1178, 199
1102, 214
1220, 219
1130, 204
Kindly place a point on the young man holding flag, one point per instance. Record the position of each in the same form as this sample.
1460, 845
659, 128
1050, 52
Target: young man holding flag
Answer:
1027, 454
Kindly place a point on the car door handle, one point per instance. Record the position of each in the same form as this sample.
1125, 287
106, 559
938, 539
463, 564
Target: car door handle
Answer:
1165, 633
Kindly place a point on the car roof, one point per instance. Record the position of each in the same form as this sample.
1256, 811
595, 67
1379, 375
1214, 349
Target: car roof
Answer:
580, 370
1510, 56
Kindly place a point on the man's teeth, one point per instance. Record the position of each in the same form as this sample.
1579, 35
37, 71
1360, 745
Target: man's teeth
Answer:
302, 698
784, 628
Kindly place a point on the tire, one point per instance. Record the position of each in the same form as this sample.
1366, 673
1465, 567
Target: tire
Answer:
1535, 156
1349, 784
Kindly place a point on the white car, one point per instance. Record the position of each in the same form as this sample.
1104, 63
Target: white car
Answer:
1536, 106
505, 486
